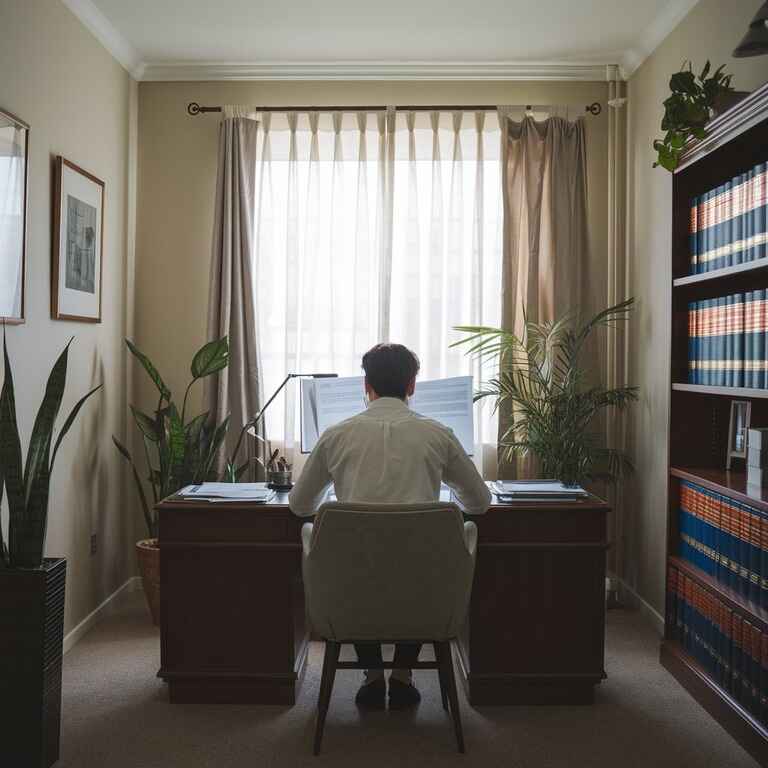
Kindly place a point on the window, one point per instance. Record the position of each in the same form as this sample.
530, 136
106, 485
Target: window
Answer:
370, 227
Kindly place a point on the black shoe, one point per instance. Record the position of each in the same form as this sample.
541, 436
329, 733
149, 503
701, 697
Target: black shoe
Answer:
402, 695
372, 695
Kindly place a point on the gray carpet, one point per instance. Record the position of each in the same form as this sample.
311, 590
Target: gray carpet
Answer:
116, 715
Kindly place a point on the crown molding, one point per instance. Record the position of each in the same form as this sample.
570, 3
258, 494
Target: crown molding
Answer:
355, 70
655, 34
104, 31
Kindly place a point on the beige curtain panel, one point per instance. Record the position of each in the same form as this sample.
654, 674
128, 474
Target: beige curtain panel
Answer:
231, 305
546, 247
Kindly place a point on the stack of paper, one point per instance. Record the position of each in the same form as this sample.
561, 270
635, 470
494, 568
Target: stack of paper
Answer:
536, 490
253, 492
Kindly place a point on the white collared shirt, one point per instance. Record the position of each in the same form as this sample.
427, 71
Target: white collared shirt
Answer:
388, 454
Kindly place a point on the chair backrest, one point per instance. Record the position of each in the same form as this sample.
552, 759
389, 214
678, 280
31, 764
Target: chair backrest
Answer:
388, 572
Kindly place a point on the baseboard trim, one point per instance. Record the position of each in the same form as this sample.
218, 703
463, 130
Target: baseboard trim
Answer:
73, 636
645, 608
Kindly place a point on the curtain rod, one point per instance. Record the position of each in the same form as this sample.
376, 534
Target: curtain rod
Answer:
193, 108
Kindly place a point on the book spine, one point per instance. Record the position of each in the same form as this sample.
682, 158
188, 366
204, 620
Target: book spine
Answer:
760, 328
764, 677
762, 345
692, 342
761, 225
754, 556
737, 229
736, 660
749, 219
729, 341
693, 236
738, 336
749, 347
764, 560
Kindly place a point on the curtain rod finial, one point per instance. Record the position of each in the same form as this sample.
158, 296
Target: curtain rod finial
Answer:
193, 108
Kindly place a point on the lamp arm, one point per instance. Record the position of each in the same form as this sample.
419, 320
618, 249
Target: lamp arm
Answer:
257, 418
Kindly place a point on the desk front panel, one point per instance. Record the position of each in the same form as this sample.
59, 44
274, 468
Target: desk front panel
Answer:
233, 617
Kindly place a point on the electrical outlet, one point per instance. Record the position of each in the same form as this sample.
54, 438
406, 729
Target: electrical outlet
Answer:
94, 544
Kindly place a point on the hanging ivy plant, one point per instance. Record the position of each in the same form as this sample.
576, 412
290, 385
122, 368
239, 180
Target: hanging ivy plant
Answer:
688, 109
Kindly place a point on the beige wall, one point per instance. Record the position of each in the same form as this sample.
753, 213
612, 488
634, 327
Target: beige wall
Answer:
177, 170
710, 31
57, 77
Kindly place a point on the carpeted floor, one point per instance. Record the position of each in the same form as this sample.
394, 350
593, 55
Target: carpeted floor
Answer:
116, 715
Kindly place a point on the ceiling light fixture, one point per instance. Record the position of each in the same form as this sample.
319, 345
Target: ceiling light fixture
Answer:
755, 42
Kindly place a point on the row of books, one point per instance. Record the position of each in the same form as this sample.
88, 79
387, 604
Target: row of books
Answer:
728, 223
732, 650
726, 539
727, 340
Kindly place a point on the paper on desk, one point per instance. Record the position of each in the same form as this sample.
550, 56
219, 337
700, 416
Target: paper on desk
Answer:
541, 488
228, 492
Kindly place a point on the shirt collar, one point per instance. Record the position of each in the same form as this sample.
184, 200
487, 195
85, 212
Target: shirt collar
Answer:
387, 405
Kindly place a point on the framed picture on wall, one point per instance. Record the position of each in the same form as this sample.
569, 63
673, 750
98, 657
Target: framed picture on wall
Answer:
78, 237
14, 165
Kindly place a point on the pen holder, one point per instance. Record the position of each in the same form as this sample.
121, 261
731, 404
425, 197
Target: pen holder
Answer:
280, 480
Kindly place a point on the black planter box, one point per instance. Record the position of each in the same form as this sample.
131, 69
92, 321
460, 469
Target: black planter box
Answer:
31, 637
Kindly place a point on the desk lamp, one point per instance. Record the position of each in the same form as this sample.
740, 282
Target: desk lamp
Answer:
233, 472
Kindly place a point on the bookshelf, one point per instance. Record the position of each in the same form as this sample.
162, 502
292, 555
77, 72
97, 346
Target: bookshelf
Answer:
699, 414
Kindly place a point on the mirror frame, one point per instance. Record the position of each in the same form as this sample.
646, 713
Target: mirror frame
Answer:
24, 126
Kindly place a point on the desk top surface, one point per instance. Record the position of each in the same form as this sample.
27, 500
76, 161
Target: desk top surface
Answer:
280, 502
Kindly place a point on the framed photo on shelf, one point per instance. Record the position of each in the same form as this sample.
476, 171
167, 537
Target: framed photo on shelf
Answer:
14, 173
741, 412
78, 238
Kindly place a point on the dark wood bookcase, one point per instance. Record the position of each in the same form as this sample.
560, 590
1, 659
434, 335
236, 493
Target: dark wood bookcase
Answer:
699, 415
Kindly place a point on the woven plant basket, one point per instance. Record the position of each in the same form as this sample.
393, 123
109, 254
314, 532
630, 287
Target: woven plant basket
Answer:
148, 554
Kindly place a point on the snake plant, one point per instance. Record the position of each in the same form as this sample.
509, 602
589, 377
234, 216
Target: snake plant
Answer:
542, 383
28, 491
177, 451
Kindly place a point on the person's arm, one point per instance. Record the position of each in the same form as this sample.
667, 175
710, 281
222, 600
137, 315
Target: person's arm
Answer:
462, 477
312, 484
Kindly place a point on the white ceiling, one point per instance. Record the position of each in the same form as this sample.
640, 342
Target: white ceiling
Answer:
184, 39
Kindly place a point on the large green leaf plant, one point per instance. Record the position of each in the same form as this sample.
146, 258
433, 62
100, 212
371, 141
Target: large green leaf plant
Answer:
28, 490
542, 380
178, 451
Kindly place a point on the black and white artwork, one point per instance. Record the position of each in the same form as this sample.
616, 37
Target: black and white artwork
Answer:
81, 246
77, 249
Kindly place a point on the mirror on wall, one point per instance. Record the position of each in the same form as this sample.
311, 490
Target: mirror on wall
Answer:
14, 153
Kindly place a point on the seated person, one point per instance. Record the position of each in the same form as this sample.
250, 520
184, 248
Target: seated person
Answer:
388, 454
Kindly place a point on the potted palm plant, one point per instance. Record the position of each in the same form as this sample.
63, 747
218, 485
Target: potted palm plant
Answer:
178, 451
542, 382
31, 586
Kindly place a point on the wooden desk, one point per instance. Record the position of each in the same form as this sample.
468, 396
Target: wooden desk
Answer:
233, 626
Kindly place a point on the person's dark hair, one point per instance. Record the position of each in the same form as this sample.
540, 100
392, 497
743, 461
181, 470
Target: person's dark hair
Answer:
389, 369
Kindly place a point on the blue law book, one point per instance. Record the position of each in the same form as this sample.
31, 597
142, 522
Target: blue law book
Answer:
749, 339
759, 376
737, 223
693, 236
702, 235
754, 556
729, 337
760, 211
722, 341
738, 341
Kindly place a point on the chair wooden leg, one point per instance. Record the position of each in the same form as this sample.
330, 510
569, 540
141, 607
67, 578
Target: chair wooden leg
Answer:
331, 658
441, 677
446, 665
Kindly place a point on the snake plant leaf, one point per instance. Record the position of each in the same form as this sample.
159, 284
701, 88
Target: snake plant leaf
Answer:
70, 420
139, 487
10, 457
153, 373
210, 358
146, 424
38, 453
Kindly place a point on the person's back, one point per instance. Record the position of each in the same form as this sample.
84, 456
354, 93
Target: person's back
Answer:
389, 454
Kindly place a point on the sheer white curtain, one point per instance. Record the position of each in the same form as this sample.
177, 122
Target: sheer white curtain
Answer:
375, 227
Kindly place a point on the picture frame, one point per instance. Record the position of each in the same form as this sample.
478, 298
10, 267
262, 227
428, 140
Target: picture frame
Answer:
14, 192
738, 429
78, 243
